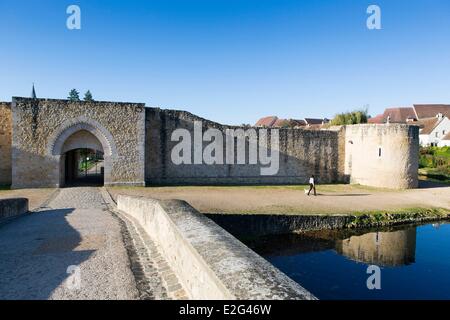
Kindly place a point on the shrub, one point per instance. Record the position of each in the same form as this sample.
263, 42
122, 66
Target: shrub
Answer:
354, 117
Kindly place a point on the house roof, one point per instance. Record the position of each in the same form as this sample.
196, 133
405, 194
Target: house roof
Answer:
291, 123
312, 121
427, 125
280, 123
274, 121
378, 119
398, 115
298, 123
266, 121
431, 110
395, 115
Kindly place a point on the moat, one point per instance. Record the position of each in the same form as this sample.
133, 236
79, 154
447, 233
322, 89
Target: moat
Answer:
414, 261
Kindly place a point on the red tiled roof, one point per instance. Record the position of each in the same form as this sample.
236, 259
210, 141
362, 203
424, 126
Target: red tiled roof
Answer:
281, 123
377, 119
398, 115
266, 122
274, 121
431, 110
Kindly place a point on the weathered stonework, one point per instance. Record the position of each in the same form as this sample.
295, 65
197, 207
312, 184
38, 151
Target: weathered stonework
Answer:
42, 126
5, 143
137, 146
383, 155
301, 153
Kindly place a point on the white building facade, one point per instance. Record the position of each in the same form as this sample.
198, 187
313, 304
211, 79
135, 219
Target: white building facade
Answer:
437, 135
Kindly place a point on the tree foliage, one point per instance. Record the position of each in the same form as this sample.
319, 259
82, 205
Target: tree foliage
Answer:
88, 96
74, 95
354, 117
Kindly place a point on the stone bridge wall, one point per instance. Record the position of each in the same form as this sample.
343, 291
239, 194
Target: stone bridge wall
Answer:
12, 208
210, 262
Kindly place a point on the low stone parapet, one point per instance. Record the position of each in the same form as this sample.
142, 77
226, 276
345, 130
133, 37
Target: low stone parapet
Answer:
210, 262
12, 208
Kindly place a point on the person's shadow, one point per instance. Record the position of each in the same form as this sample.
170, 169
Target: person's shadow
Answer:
343, 194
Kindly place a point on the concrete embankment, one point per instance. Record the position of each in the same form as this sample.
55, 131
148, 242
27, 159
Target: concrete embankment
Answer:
12, 208
251, 225
210, 262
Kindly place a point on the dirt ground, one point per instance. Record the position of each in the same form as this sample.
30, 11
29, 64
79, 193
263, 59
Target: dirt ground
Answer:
36, 197
331, 199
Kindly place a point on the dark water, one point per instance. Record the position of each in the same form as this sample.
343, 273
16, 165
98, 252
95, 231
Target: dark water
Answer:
414, 261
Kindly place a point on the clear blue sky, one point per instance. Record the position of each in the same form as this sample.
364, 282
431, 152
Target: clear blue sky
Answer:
227, 60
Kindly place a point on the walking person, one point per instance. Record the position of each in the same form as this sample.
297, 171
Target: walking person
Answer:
312, 185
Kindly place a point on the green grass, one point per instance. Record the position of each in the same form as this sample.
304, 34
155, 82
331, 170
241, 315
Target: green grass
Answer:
434, 163
380, 218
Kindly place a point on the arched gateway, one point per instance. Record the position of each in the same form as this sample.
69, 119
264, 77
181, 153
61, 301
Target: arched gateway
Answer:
59, 143
85, 150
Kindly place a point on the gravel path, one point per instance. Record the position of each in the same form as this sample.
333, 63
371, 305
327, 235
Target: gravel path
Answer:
292, 199
73, 249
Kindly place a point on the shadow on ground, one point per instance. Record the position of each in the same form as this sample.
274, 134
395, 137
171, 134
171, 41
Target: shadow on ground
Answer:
344, 195
35, 254
429, 184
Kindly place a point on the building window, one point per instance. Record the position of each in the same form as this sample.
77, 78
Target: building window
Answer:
443, 132
436, 134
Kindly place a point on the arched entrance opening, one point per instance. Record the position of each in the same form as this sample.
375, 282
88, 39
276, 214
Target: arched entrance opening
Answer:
82, 160
84, 167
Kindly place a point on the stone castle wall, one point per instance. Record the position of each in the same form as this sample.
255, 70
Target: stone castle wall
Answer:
138, 148
5, 143
301, 153
382, 155
42, 126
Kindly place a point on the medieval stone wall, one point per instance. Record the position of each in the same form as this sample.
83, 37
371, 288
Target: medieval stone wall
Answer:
384, 156
301, 153
41, 127
5, 143
138, 148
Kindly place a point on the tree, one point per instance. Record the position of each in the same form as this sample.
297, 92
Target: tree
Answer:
354, 117
88, 96
74, 95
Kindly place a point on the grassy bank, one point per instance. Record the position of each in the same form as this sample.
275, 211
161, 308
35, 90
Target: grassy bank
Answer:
387, 218
434, 163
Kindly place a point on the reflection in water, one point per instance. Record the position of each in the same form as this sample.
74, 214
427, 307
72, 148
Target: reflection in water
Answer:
414, 261
381, 248
386, 247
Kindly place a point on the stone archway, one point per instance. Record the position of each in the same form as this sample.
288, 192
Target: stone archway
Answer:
81, 133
